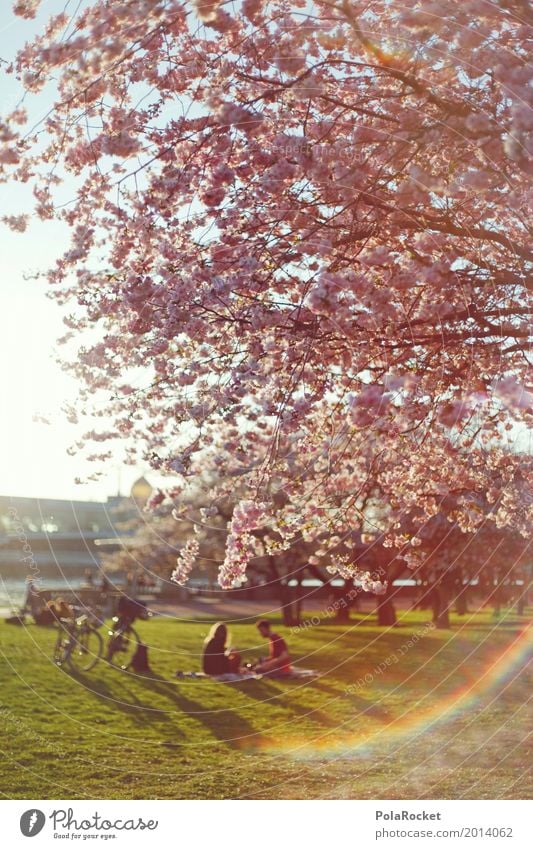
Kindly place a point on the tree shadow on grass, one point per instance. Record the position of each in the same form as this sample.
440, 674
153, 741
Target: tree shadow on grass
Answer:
503, 624
225, 725
263, 691
363, 706
125, 700
228, 726
231, 727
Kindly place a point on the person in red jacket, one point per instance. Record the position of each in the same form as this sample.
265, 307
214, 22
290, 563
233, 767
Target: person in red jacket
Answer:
279, 660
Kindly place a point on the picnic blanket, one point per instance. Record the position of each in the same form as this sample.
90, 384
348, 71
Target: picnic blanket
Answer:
296, 673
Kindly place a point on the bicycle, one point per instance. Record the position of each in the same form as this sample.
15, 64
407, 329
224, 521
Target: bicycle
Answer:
123, 642
123, 638
79, 645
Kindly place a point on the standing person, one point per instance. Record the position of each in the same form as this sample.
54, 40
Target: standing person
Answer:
33, 602
217, 659
279, 660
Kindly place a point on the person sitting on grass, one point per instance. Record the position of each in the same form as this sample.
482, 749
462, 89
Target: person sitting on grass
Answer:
279, 661
217, 658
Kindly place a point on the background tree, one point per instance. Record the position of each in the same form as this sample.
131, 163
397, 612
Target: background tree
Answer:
488, 566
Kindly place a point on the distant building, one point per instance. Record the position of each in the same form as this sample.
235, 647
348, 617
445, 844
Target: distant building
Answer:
59, 538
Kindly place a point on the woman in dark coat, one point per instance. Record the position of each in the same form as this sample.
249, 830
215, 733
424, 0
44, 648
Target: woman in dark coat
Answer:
217, 658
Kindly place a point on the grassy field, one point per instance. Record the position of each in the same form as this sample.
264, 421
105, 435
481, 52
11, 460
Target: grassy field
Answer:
400, 713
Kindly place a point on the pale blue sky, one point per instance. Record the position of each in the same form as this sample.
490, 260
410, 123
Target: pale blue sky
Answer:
33, 458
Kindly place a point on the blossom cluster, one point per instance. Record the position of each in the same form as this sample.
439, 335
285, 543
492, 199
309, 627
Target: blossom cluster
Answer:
186, 561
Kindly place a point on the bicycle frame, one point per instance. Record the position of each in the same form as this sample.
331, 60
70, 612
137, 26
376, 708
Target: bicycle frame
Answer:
123, 640
72, 641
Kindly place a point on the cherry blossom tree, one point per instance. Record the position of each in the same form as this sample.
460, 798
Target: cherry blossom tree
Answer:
299, 251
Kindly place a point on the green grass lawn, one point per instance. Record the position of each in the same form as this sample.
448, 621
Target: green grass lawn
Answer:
445, 717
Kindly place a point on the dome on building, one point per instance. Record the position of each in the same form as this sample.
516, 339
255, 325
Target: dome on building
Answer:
141, 490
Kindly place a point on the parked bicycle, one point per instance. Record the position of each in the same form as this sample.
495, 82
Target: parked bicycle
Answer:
79, 645
123, 638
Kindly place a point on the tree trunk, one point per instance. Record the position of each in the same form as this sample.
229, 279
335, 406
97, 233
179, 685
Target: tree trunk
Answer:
423, 596
522, 599
461, 601
286, 605
441, 614
343, 602
499, 597
385, 609
297, 606
343, 612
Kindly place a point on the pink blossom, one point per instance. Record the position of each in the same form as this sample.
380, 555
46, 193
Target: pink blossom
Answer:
9, 156
231, 114
513, 394
18, 223
121, 144
186, 561
239, 551
26, 8
452, 413
252, 8
247, 516
377, 587
157, 498
207, 10
367, 406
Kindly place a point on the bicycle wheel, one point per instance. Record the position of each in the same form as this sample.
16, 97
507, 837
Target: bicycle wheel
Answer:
86, 650
122, 646
62, 647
